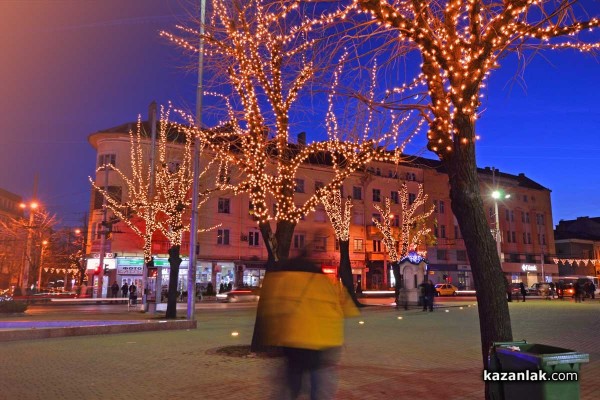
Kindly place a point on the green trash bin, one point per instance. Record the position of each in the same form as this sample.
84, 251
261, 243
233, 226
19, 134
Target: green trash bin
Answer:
534, 361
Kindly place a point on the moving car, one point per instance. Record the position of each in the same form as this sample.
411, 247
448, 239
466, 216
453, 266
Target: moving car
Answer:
239, 295
445, 289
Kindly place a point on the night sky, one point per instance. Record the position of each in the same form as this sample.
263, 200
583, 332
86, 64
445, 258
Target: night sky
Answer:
70, 68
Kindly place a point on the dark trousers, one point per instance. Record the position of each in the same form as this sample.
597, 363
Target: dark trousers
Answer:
428, 303
318, 365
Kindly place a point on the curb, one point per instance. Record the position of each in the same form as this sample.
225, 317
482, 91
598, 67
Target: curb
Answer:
103, 328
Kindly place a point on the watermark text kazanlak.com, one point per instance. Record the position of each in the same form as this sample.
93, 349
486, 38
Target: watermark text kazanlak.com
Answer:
526, 376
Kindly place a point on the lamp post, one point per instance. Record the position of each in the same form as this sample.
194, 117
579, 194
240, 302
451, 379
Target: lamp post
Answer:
32, 207
498, 194
44, 243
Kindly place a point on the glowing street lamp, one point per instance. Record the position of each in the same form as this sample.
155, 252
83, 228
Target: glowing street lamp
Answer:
496, 195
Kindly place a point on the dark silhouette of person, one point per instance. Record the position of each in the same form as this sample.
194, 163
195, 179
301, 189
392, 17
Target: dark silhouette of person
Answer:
310, 341
523, 291
133, 294
592, 290
429, 296
124, 289
115, 289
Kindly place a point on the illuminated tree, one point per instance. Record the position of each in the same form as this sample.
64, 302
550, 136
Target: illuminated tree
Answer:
267, 53
340, 217
413, 227
159, 200
460, 43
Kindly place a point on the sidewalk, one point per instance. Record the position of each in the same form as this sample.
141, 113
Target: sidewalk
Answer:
421, 356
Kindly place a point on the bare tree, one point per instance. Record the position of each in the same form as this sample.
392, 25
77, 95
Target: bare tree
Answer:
166, 208
414, 229
268, 53
460, 43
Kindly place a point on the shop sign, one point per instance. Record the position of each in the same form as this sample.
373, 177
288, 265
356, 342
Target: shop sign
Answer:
529, 268
130, 269
93, 263
461, 267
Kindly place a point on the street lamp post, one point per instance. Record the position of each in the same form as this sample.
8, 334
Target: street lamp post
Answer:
32, 206
44, 243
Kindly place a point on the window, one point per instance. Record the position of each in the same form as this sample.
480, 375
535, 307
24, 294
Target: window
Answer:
442, 255
376, 246
543, 239
358, 218
525, 198
461, 255
507, 215
523, 216
114, 192
299, 187
457, 234
514, 257
319, 185
104, 159
436, 208
253, 238
528, 238
223, 236
173, 166
524, 238
396, 221
394, 196
376, 195
441, 206
299, 241
514, 237
320, 215
320, 243
508, 236
436, 232
358, 245
411, 198
443, 231
527, 217
378, 171
223, 206
356, 192
512, 216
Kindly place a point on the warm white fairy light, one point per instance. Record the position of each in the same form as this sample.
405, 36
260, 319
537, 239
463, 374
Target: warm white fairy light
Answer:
167, 209
266, 47
461, 42
338, 213
413, 229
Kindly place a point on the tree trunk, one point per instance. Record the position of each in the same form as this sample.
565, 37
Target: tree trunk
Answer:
278, 248
174, 263
467, 206
345, 271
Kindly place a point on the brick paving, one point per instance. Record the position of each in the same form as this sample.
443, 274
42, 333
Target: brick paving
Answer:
421, 356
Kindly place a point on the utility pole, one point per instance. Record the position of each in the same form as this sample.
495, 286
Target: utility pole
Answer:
152, 120
33, 205
191, 286
100, 277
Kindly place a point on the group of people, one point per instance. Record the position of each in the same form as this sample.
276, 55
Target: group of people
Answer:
583, 289
127, 291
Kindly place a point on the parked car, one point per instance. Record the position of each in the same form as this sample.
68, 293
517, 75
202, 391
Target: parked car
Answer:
538, 289
445, 289
566, 290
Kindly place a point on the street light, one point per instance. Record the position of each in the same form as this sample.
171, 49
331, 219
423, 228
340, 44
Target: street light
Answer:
32, 206
496, 195
44, 243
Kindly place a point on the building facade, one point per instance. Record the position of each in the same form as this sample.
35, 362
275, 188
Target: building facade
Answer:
10, 259
578, 246
235, 253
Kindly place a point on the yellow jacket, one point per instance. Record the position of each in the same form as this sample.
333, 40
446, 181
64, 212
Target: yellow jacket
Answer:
303, 310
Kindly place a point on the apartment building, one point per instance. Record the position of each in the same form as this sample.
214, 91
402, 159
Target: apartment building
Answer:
578, 246
234, 251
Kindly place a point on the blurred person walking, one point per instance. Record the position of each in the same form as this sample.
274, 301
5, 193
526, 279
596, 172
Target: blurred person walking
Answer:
303, 314
523, 291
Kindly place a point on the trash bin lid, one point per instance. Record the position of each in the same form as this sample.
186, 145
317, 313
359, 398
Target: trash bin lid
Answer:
542, 354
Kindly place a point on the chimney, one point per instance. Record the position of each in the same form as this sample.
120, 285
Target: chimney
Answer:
302, 139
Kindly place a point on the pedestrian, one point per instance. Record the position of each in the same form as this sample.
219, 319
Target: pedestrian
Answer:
310, 341
523, 291
552, 290
115, 289
124, 290
578, 292
560, 290
422, 301
429, 295
133, 294
592, 290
